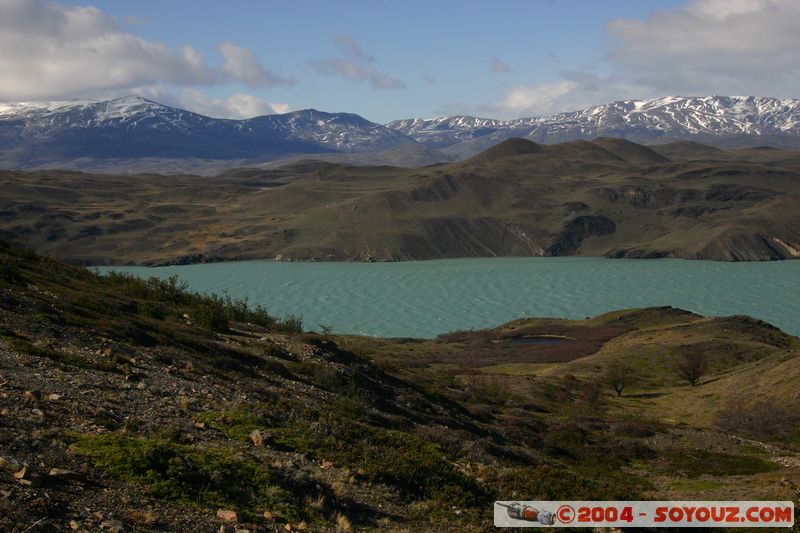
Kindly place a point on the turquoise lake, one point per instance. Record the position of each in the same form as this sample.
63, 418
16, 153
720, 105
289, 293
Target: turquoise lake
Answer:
426, 298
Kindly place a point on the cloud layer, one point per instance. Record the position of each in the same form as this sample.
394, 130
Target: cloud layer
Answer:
728, 47
499, 66
48, 50
356, 67
237, 105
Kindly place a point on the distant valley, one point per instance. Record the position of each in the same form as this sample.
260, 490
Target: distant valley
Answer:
609, 197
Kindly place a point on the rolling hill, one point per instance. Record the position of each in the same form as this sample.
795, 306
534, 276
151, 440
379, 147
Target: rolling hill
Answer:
608, 197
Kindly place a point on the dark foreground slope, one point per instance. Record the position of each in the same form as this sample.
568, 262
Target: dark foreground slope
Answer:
132, 406
609, 197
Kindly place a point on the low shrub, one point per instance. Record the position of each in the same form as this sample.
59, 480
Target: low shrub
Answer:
419, 469
695, 463
208, 478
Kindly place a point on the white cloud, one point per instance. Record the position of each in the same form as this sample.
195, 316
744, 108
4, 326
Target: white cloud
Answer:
48, 50
349, 46
714, 46
352, 70
725, 47
238, 105
356, 69
242, 65
499, 66
572, 91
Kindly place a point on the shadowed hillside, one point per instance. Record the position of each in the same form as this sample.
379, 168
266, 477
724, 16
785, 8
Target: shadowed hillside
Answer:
609, 197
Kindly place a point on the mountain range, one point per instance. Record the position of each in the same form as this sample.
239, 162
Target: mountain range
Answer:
135, 134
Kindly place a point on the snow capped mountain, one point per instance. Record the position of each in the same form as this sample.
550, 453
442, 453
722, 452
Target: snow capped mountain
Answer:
678, 116
136, 127
734, 120
93, 133
340, 131
444, 131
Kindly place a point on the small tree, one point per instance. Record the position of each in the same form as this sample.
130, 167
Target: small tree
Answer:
691, 366
618, 375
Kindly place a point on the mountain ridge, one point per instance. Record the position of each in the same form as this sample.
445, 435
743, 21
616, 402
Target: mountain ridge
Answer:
137, 134
709, 118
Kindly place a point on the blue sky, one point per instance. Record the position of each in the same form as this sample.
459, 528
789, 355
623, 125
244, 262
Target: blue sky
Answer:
388, 60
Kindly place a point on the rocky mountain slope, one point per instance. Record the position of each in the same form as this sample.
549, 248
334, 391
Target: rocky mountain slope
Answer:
719, 120
610, 197
130, 405
133, 127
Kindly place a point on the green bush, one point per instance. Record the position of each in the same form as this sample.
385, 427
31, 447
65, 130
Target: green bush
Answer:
292, 324
210, 316
209, 478
548, 482
419, 469
236, 423
695, 463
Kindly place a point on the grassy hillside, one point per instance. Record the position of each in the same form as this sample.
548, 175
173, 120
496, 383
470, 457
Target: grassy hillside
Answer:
137, 402
609, 197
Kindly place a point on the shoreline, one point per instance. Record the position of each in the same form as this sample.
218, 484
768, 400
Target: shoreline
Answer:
217, 260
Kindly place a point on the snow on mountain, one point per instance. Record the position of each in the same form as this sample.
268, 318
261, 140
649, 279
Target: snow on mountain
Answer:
445, 131
709, 118
131, 128
136, 127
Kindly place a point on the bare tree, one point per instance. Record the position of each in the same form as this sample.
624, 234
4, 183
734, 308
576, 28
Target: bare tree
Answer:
691, 366
619, 375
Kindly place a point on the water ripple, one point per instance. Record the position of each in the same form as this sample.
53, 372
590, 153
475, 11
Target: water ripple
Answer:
426, 298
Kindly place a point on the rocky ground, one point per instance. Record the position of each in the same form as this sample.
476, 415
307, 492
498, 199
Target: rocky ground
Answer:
138, 406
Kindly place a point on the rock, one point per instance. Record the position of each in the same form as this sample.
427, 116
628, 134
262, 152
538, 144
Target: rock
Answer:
33, 395
64, 474
10, 464
258, 437
37, 412
228, 515
73, 524
113, 525
25, 476
268, 515
53, 397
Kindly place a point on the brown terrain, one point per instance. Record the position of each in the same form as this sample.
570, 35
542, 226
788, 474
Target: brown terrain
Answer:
608, 197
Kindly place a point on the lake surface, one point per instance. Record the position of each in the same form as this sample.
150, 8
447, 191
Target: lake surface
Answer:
426, 298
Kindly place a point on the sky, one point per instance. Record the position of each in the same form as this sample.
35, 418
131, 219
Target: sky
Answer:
391, 60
